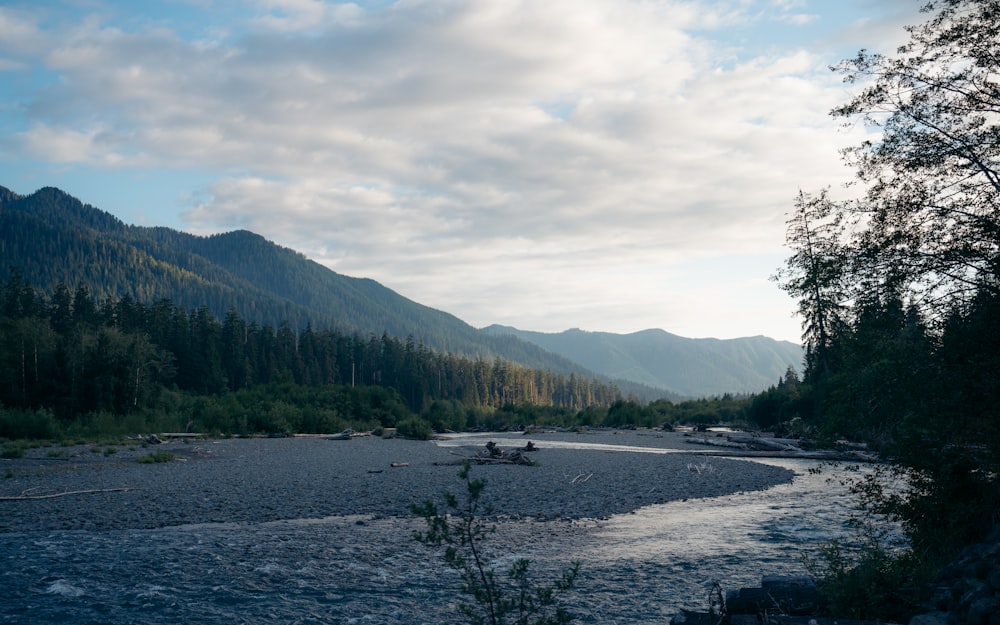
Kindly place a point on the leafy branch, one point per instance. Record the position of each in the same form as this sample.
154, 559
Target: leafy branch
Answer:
461, 530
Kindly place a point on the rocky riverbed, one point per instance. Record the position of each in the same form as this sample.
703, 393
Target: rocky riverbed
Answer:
270, 479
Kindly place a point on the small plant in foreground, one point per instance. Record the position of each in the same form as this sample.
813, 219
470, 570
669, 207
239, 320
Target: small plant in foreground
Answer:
156, 456
873, 573
462, 531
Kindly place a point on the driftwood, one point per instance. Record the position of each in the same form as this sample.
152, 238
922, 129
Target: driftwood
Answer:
26, 497
494, 455
747, 446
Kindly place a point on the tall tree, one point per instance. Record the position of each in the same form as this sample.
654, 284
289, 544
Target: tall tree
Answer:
816, 274
932, 205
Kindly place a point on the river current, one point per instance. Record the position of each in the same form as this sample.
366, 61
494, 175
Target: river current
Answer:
635, 568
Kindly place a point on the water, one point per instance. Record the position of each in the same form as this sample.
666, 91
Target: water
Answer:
636, 568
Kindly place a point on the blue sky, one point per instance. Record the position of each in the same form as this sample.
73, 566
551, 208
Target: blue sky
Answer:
611, 165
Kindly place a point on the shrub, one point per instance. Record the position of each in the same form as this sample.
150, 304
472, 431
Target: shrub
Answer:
35, 424
156, 456
462, 531
414, 427
11, 451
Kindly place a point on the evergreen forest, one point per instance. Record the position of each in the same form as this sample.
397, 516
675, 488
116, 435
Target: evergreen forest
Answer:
898, 284
74, 366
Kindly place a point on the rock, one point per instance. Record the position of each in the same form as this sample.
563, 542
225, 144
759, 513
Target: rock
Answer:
972, 590
934, 618
981, 610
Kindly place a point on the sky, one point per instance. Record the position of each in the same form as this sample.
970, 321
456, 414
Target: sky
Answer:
608, 165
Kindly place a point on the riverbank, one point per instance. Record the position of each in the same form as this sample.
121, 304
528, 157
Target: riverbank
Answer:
262, 480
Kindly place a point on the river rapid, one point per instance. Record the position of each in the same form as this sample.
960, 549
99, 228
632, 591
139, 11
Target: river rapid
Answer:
635, 568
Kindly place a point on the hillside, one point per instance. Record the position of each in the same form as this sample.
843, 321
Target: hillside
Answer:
691, 367
55, 238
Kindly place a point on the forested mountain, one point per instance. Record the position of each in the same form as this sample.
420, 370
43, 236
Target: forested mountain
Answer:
691, 367
54, 238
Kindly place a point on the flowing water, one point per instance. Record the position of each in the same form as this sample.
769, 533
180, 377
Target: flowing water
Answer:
636, 568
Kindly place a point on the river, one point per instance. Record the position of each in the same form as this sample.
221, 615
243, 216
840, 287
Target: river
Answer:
635, 568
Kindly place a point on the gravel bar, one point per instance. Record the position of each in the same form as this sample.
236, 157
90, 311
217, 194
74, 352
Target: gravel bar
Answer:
270, 479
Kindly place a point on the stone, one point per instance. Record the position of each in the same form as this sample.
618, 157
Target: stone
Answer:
993, 579
933, 618
981, 610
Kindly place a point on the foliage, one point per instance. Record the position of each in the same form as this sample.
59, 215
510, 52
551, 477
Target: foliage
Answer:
931, 212
121, 368
156, 457
816, 273
75, 356
415, 428
910, 364
875, 573
463, 532
21, 423
56, 240
867, 580
12, 450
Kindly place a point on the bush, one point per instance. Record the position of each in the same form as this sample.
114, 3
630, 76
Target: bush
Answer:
11, 451
415, 428
872, 575
35, 424
155, 457
462, 532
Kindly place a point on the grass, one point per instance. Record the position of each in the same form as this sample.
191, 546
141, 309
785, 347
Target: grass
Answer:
155, 457
12, 451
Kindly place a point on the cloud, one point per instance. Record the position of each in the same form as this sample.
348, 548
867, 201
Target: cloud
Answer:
568, 153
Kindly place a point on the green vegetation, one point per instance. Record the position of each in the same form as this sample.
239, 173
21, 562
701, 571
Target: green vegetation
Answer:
900, 293
463, 531
71, 368
12, 450
156, 457
55, 240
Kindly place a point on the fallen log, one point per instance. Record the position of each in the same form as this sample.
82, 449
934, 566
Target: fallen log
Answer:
24, 497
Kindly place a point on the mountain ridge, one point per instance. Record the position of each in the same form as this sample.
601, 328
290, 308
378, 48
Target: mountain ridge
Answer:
656, 357
53, 237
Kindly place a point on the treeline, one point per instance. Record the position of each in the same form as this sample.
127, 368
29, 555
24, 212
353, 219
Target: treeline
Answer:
76, 357
70, 364
924, 395
899, 290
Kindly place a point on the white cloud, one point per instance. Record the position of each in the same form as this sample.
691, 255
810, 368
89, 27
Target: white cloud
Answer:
502, 160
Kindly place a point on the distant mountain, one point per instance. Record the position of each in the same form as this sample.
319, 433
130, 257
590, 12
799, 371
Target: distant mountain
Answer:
691, 367
53, 238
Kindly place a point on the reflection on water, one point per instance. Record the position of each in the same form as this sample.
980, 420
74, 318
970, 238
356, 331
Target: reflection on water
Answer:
666, 556
650, 563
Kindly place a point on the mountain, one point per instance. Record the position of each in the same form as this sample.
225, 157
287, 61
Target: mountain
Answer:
691, 367
53, 238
